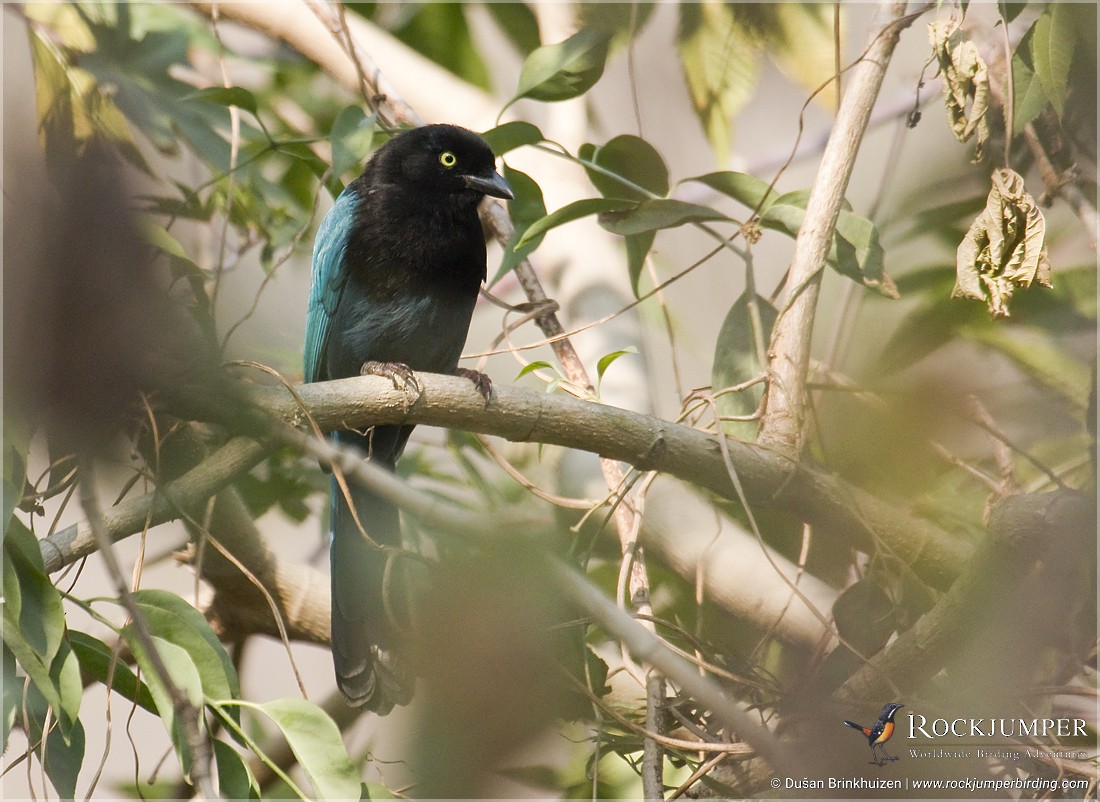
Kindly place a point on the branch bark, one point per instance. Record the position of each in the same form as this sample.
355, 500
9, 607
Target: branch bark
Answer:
789, 352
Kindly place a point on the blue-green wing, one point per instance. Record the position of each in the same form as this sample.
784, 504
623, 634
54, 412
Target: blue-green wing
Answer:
328, 280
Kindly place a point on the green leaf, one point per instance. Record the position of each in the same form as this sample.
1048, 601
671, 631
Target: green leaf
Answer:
639, 163
283, 481
519, 24
624, 19
35, 608
637, 249
138, 70
72, 111
184, 675
800, 41
61, 756
11, 688
16, 444
235, 779
1040, 357
351, 137
159, 238
858, 254
742, 187
573, 211
744, 336
720, 65
656, 214
174, 620
945, 222
94, 657
564, 70
531, 367
315, 740
632, 158
525, 209
856, 251
58, 682
511, 135
607, 360
226, 96
1028, 96
63, 759
1009, 11
1033, 337
1052, 47
786, 212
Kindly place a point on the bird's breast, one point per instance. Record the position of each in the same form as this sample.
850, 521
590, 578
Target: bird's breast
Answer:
425, 331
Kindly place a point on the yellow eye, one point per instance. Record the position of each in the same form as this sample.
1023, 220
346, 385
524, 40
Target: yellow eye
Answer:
447, 159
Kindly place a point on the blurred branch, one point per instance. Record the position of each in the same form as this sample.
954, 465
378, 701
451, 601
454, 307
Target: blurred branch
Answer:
684, 531
649, 649
789, 351
374, 87
1056, 529
424, 83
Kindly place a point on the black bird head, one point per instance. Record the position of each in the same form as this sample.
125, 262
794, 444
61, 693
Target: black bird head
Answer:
889, 710
441, 160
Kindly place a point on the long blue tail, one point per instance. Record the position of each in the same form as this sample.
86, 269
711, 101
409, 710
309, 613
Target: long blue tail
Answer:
369, 670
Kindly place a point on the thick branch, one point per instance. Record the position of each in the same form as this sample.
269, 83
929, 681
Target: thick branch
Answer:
297, 25
789, 352
769, 478
1052, 530
735, 572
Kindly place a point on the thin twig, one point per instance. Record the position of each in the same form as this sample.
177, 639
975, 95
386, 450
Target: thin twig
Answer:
653, 755
187, 714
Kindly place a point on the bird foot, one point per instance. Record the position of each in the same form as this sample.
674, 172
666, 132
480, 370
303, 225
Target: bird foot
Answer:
482, 383
400, 374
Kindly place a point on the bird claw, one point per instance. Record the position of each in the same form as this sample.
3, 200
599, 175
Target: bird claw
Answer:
482, 383
400, 374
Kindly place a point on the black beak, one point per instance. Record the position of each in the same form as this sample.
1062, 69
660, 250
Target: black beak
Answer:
491, 184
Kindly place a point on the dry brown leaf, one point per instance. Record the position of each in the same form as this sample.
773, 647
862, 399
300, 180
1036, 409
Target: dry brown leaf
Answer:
1004, 247
965, 82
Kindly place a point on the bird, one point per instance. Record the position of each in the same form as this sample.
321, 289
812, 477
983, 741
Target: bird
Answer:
880, 733
398, 262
